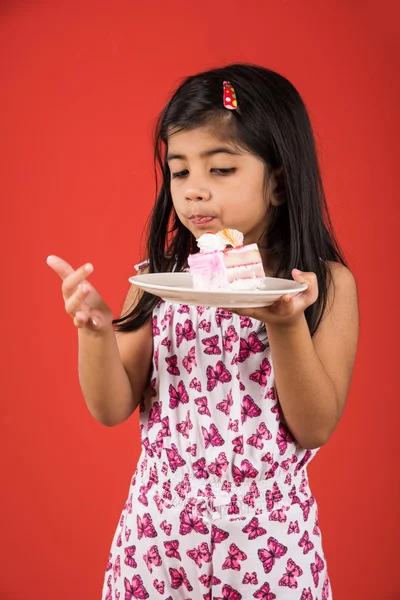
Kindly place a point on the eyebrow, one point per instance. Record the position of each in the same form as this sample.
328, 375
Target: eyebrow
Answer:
206, 154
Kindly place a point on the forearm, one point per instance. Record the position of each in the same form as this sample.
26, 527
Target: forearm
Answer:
307, 394
104, 382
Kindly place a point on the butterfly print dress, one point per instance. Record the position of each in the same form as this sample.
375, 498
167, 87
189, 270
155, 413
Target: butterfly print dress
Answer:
219, 506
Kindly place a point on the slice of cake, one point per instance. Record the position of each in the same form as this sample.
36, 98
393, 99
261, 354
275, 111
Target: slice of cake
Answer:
225, 263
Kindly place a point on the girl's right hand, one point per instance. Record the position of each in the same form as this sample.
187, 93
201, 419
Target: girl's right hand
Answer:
82, 301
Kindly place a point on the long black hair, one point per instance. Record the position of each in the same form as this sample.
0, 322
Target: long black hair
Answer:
271, 122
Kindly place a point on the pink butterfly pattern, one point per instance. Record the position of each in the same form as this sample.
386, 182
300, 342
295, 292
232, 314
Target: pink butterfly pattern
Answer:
212, 436
200, 554
195, 384
184, 332
202, 404
156, 329
212, 345
257, 439
317, 568
264, 593
252, 345
185, 426
225, 405
253, 529
306, 543
306, 594
189, 361
209, 580
292, 571
230, 338
135, 588
269, 555
167, 343
172, 362
234, 556
221, 314
261, 375
215, 445
178, 578
145, 526
191, 523
152, 558
249, 409
218, 375
219, 465
178, 395
247, 470
166, 527
171, 549
205, 325
129, 556
293, 527
250, 578
228, 593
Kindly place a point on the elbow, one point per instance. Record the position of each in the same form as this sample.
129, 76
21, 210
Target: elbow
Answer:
108, 423
106, 420
313, 444
315, 440
113, 415
110, 419
318, 437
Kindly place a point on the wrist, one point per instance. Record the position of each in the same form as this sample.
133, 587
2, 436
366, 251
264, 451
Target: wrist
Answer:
96, 332
288, 326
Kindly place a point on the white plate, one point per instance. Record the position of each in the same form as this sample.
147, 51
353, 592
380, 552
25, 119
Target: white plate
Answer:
178, 289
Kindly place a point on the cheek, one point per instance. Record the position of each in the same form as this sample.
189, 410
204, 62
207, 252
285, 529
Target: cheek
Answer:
176, 203
248, 207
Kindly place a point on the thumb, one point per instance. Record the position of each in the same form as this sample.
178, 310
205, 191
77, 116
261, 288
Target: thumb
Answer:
298, 276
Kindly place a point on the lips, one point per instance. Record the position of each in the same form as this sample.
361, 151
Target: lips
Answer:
200, 219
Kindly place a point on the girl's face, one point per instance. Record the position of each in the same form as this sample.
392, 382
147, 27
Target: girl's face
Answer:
216, 185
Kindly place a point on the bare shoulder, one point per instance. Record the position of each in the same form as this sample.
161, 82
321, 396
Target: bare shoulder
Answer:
131, 300
342, 301
133, 296
342, 277
337, 337
136, 348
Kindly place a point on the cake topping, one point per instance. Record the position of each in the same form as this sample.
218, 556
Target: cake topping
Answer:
233, 237
210, 242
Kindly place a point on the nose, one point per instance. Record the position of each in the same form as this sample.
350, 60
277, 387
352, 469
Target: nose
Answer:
197, 194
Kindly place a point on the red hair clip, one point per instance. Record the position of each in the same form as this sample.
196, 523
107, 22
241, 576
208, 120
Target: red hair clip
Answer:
229, 96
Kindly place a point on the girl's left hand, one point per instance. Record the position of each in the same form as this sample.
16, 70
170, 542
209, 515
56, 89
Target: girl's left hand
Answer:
288, 310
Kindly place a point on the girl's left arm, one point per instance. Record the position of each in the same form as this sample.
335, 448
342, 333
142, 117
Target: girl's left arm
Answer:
313, 375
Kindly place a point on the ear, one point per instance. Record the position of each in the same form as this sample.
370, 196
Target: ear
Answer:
276, 187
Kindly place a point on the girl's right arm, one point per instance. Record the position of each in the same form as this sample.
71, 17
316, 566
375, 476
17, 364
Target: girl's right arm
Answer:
113, 366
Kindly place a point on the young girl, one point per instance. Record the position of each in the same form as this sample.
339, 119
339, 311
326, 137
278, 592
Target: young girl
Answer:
233, 404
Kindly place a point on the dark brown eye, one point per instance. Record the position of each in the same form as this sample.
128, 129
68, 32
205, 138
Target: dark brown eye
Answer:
223, 171
179, 174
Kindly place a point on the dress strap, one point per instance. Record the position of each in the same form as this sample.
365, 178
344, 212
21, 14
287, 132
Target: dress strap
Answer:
142, 265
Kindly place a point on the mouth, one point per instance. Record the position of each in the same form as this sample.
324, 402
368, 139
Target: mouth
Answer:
199, 220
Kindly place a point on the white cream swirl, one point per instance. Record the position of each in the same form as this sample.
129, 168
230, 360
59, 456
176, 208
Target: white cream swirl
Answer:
210, 242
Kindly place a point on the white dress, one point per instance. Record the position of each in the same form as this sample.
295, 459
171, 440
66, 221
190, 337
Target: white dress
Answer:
219, 506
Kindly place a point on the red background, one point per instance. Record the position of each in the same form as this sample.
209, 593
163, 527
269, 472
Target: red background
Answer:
81, 84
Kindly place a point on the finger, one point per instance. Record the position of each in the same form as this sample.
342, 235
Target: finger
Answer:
76, 278
286, 298
60, 266
244, 312
70, 276
74, 303
303, 277
284, 306
81, 319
